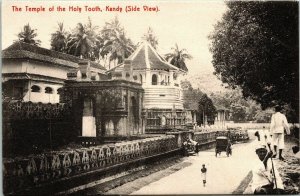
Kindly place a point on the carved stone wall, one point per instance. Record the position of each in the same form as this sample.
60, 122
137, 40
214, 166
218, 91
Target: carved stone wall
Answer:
117, 105
32, 127
22, 173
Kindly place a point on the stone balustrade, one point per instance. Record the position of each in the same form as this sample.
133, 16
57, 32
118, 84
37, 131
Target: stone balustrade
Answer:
27, 172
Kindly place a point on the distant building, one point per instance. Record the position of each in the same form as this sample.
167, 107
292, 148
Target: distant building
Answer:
222, 116
32, 73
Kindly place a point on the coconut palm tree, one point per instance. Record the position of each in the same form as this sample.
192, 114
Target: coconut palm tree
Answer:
150, 37
59, 38
28, 35
177, 57
116, 46
83, 40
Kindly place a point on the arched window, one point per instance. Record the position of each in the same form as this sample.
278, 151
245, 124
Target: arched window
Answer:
48, 90
154, 79
59, 91
35, 88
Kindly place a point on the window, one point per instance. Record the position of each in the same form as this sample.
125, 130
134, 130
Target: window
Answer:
59, 91
35, 88
48, 90
154, 79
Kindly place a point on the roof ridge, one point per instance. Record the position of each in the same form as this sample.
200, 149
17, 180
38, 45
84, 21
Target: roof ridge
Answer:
19, 45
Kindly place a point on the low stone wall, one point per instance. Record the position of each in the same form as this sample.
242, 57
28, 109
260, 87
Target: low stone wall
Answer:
206, 140
48, 171
23, 173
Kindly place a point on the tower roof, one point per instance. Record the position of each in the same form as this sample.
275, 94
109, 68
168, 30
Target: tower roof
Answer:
146, 57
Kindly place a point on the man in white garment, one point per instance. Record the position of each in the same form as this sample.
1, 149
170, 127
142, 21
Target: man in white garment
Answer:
263, 137
278, 125
264, 181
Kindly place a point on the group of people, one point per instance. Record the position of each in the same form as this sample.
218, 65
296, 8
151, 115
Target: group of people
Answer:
266, 178
270, 144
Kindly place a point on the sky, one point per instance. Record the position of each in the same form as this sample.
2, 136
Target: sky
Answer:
187, 23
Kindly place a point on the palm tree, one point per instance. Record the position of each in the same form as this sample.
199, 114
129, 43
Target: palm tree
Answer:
112, 28
150, 37
28, 35
82, 41
59, 38
116, 46
178, 57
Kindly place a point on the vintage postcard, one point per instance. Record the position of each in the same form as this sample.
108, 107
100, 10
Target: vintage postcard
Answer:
150, 97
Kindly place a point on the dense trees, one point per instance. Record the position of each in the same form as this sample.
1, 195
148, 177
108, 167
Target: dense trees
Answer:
117, 46
255, 47
240, 109
109, 44
206, 110
28, 35
82, 41
195, 99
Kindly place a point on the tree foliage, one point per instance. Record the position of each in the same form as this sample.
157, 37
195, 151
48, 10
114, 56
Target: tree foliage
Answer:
234, 102
83, 40
117, 46
255, 47
178, 56
89, 41
206, 108
28, 35
190, 96
58, 38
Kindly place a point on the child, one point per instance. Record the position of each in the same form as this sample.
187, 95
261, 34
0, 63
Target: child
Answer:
203, 174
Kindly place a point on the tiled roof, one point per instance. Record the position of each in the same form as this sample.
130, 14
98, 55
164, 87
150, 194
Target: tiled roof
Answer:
23, 50
146, 57
139, 61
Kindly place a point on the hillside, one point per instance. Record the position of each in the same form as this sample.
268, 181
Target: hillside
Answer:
206, 82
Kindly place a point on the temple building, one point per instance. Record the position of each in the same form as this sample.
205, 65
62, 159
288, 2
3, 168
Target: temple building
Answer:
141, 95
163, 97
32, 73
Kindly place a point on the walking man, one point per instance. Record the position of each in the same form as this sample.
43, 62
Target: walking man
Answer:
203, 174
278, 125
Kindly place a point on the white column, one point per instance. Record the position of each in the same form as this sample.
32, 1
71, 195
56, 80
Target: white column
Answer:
88, 120
148, 78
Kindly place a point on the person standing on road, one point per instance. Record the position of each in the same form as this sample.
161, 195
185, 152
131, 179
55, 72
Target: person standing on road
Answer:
203, 174
278, 125
263, 137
